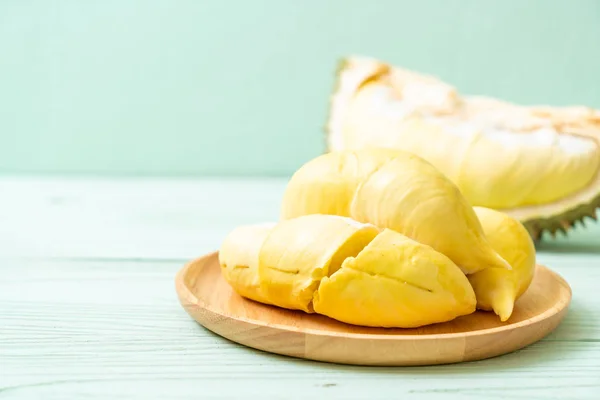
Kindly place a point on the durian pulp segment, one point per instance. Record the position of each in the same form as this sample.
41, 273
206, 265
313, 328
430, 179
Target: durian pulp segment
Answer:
299, 252
498, 289
395, 282
397, 190
412, 197
509, 238
340, 190
538, 164
326, 185
238, 257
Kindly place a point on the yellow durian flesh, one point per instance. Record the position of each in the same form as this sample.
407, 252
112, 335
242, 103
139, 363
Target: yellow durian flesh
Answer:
395, 282
497, 289
411, 196
540, 165
337, 174
396, 190
299, 252
494, 166
238, 257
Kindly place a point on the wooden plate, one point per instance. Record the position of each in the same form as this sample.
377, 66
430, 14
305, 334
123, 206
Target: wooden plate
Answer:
209, 300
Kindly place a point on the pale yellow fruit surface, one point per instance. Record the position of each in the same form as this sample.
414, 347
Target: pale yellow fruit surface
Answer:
538, 164
338, 174
350, 271
493, 166
299, 252
395, 282
238, 257
397, 190
497, 289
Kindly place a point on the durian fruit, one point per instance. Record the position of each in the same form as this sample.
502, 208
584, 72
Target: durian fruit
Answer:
349, 271
298, 253
395, 282
238, 257
540, 165
397, 190
498, 289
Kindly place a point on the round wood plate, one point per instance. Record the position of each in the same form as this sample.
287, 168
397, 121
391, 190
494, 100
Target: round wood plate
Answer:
210, 300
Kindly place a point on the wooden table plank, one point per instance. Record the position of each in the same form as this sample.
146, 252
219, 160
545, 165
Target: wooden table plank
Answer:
88, 307
104, 327
128, 218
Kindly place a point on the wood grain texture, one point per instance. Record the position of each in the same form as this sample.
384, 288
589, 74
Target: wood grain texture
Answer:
88, 310
207, 298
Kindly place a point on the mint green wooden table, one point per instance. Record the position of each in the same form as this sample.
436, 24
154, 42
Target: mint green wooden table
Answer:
88, 307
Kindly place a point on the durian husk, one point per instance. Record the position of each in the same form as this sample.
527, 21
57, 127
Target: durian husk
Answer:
559, 215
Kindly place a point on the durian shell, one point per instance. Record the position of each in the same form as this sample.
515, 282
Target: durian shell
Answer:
558, 216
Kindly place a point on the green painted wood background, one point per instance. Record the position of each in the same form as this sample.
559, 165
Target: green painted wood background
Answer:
241, 87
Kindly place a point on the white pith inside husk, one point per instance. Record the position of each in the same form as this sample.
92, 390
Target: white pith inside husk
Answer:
572, 131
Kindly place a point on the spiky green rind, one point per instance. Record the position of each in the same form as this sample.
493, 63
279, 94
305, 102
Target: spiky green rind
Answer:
563, 222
